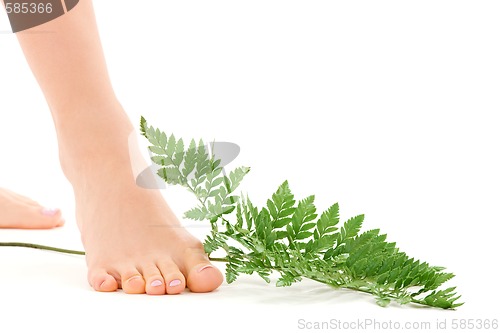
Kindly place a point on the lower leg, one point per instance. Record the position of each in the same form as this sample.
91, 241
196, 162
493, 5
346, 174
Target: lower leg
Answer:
131, 237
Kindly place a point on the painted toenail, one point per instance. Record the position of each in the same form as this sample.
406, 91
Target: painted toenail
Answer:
174, 283
50, 211
156, 283
204, 267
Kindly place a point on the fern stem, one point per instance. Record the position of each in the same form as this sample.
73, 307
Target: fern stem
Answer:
41, 247
218, 259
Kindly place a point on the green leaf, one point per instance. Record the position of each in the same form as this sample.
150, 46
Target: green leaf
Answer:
179, 153
231, 273
231, 200
328, 220
197, 213
228, 209
282, 201
190, 159
214, 242
383, 301
265, 276
235, 177
170, 175
307, 226
288, 237
351, 228
143, 126
305, 212
170, 145
263, 224
281, 234
303, 235
217, 181
160, 160
157, 150
272, 209
281, 222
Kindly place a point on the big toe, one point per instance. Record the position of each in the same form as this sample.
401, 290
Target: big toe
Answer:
201, 275
37, 217
21, 212
51, 217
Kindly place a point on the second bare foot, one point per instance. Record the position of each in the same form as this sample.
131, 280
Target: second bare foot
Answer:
21, 212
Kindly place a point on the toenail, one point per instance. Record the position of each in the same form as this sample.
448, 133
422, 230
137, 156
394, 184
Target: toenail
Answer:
174, 283
204, 267
134, 278
156, 283
50, 211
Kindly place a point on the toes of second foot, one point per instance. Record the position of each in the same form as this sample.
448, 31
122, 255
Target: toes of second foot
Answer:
49, 217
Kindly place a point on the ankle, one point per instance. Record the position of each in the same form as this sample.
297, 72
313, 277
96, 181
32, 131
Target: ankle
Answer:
93, 140
84, 169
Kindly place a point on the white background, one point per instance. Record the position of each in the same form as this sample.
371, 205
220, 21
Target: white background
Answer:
388, 107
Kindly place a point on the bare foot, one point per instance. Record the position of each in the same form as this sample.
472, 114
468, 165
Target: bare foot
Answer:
134, 242
132, 239
23, 213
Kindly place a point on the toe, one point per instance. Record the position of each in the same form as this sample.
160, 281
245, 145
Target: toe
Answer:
175, 282
24, 213
100, 280
133, 282
36, 217
51, 217
202, 276
155, 285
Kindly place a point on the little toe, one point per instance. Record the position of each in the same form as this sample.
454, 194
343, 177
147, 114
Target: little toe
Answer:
174, 280
133, 282
102, 281
202, 276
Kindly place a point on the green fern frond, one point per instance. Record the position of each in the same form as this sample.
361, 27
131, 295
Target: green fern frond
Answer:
288, 236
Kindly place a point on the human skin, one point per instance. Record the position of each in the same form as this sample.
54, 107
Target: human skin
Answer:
131, 237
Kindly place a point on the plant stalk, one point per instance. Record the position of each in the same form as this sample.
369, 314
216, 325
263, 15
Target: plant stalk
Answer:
41, 247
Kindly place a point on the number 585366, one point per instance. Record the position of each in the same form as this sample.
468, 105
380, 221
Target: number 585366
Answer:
28, 8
